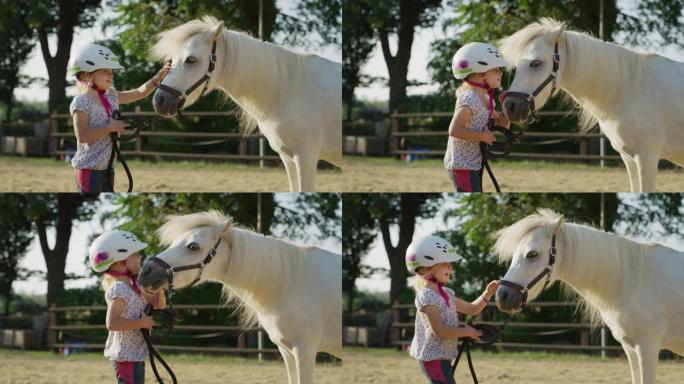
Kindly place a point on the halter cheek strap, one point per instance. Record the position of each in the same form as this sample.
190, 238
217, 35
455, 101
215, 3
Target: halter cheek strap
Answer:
171, 270
546, 272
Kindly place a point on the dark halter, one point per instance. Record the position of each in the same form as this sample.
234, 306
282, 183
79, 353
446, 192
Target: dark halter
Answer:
203, 80
171, 270
530, 97
546, 272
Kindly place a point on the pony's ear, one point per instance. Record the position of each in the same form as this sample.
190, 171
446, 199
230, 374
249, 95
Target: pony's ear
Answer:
559, 33
226, 226
217, 30
557, 225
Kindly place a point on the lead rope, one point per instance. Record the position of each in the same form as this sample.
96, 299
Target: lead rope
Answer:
116, 152
169, 317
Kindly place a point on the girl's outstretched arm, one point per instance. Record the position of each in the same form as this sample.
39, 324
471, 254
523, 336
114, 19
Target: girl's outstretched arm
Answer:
477, 305
126, 97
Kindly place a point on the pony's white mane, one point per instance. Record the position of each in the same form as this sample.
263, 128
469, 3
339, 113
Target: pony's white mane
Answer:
254, 66
267, 267
590, 255
605, 72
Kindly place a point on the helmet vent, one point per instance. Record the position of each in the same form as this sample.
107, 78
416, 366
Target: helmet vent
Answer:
482, 62
122, 250
429, 257
90, 62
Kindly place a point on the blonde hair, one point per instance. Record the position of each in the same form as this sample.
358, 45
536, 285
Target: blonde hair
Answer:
419, 283
107, 279
107, 282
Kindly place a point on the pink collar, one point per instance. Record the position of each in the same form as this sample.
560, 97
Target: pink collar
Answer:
490, 92
131, 276
440, 288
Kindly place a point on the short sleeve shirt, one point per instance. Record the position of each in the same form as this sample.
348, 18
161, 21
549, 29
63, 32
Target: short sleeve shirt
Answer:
94, 155
463, 154
126, 345
425, 346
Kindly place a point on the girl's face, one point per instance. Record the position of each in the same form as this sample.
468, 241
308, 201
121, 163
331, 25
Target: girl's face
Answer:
442, 272
102, 78
493, 77
134, 262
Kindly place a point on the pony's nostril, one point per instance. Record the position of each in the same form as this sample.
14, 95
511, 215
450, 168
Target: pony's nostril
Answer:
503, 295
147, 270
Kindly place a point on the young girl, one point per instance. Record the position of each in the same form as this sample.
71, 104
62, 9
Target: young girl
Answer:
435, 341
92, 109
116, 253
478, 65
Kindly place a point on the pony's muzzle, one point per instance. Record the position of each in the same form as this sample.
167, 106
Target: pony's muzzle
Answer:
165, 103
508, 299
152, 276
517, 109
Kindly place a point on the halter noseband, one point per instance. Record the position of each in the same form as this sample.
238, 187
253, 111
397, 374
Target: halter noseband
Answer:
546, 272
551, 78
171, 270
203, 80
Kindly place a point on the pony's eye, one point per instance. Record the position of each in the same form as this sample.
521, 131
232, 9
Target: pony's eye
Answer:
531, 255
193, 246
191, 60
535, 63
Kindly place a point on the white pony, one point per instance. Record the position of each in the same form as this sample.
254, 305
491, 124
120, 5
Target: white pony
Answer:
635, 288
295, 99
637, 98
292, 291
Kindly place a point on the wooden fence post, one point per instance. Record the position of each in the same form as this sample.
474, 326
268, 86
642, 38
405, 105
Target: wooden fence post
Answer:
53, 142
394, 331
52, 321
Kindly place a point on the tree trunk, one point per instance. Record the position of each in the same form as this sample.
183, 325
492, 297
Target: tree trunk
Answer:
409, 207
55, 258
57, 65
397, 65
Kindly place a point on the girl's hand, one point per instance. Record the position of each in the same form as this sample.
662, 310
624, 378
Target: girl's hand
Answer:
117, 126
161, 74
147, 322
491, 288
488, 137
503, 121
473, 333
159, 300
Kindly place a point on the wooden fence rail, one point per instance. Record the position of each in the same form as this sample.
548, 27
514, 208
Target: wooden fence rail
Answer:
396, 135
397, 326
55, 136
56, 330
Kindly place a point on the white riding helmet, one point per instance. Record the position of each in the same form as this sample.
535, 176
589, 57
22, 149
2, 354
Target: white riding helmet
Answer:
476, 58
427, 251
91, 58
113, 246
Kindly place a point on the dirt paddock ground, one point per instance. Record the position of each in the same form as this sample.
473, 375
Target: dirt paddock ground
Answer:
360, 366
393, 367
20, 367
357, 175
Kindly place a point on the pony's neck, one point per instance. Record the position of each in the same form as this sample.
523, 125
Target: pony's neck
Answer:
598, 74
251, 72
592, 259
256, 268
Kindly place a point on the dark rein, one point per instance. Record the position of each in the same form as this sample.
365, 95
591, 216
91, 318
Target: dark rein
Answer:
137, 122
168, 314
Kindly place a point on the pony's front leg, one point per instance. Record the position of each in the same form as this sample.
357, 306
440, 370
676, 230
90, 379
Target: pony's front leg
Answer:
648, 359
306, 170
305, 356
647, 166
290, 365
632, 172
291, 170
633, 363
